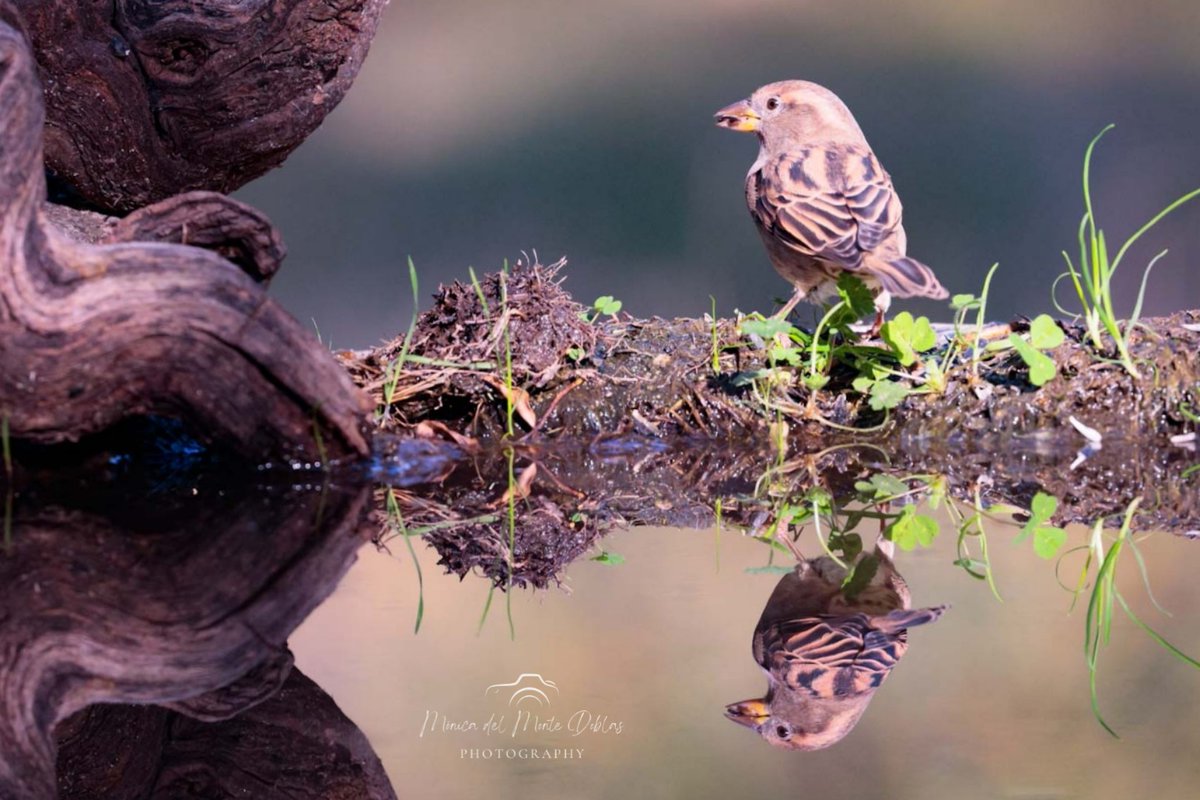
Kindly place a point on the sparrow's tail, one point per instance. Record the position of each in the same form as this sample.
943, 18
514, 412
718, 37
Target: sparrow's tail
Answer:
905, 277
896, 621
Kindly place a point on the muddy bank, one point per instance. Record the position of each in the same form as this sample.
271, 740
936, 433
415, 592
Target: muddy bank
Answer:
572, 378
617, 421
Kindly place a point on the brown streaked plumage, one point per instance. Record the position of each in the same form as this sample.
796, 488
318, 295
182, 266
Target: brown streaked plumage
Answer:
822, 202
824, 654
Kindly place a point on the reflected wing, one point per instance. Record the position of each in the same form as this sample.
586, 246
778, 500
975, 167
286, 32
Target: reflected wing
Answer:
831, 656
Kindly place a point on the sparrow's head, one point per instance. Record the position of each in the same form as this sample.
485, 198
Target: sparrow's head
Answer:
793, 722
792, 111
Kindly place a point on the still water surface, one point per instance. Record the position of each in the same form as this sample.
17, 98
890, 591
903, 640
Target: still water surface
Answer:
989, 702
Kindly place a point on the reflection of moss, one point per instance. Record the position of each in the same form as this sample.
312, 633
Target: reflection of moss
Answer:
543, 541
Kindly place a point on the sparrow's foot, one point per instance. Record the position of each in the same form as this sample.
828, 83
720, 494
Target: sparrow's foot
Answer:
788, 306
876, 326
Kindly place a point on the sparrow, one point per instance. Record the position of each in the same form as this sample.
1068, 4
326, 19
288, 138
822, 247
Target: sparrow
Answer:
824, 653
822, 202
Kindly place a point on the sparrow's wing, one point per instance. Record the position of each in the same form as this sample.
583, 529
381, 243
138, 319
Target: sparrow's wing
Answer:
836, 204
830, 203
831, 656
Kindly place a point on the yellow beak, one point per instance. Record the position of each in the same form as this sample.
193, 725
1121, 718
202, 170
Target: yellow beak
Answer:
750, 713
738, 117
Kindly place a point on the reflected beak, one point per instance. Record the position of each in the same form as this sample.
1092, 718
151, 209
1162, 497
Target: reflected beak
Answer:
750, 713
738, 117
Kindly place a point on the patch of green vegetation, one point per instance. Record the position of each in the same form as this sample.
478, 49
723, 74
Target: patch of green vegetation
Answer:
1044, 334
970, 529
907, 361
604, 306
793, 354
1047, 539
910, 529
1092, 276
908, 337
611, 559
835, 524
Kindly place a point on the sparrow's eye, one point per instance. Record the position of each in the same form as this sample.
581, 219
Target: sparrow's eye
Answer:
783, 732
773, 104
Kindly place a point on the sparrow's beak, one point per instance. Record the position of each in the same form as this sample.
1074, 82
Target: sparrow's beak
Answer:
750, 713
738, 117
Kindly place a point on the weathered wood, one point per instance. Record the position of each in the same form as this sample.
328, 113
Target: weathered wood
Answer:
90, 334
190, 609
237, 232
150, 99
297, 744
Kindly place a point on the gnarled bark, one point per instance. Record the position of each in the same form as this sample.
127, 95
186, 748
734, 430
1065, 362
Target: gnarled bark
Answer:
91, 333
151, 98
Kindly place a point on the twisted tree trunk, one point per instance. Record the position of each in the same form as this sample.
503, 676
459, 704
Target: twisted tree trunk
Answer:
150, 98
91, 333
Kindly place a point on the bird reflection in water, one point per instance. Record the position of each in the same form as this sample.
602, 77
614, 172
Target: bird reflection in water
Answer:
825, 653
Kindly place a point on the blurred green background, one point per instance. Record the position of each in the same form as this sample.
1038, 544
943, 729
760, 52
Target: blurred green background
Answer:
480, 129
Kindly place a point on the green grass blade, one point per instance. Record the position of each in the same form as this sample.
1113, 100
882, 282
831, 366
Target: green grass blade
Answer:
397, 519
981, 317
1145, 575
479, 293
1099, 614
1095, 697
1070, 273
1083, 250
1137, 308
389, 387
1087, 179
420, 585
821, 539
512, 538
1153, 221
1156, 636
487, 605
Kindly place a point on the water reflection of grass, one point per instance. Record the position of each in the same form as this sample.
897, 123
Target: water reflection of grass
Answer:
1105, 596
396, 518
398, 527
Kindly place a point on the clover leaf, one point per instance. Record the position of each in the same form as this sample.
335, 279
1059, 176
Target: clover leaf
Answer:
911, 529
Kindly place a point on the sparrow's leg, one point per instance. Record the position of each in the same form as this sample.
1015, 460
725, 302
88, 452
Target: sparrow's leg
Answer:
797, 296
784, 536
882, 301
885, 547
